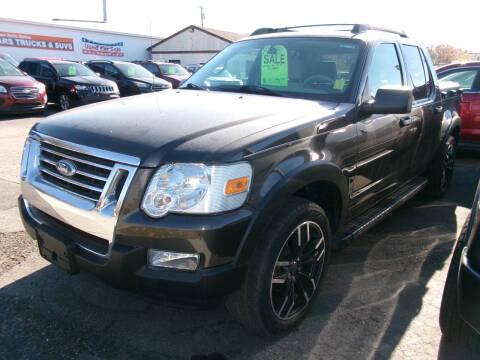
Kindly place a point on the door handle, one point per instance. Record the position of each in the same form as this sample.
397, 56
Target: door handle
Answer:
437, 109
405, 121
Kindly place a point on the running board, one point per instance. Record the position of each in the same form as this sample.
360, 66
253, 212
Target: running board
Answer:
372, 217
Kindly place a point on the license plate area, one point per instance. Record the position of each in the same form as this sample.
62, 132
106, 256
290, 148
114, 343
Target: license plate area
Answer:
58, 253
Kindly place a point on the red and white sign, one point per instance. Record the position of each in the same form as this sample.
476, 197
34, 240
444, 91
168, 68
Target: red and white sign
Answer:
91, 47
35, 41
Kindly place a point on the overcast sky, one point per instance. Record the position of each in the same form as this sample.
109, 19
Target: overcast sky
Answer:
431, 22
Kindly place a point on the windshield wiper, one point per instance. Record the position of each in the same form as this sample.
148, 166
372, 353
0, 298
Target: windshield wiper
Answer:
249, 89
193, 86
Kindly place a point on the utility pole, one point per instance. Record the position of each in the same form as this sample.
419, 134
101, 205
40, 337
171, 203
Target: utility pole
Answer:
104, 21
202, 14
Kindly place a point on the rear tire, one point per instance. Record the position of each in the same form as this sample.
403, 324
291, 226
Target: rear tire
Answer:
453, 327
285, 270
441, 170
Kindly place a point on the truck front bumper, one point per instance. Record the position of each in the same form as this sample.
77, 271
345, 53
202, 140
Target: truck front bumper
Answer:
126, 266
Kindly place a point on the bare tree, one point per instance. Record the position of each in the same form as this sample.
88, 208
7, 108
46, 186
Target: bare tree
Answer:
445, 54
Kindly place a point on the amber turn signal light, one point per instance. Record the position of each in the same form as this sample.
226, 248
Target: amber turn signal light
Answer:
236, 186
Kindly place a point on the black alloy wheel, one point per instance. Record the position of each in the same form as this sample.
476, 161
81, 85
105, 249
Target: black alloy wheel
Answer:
448, 164
285, 270
297, 270
65, 101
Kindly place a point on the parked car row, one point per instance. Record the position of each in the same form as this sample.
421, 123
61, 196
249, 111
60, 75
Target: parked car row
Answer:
69, 83
467, 75
73, 83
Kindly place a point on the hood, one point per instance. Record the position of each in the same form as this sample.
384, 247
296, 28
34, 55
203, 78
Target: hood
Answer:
176, 78
17, 81
151, 81
186, 125
87, 80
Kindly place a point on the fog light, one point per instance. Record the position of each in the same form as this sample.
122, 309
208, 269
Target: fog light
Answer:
173, 260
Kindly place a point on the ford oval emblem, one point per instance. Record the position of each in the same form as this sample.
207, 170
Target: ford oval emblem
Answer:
66, 168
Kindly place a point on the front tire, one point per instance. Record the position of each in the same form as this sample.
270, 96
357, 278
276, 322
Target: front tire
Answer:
285, 270
65, 101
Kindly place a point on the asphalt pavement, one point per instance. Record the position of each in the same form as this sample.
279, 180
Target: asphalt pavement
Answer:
380, 300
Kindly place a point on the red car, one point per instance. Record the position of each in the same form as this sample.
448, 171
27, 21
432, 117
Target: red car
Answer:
467, 75
20, 93
173, 73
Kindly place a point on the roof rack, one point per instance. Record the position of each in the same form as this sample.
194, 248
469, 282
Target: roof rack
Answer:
356, 29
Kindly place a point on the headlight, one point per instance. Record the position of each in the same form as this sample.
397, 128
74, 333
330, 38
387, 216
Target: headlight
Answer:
141, 84
3, 89
24, 163
115, 87
197, 189
40, 86
81, 87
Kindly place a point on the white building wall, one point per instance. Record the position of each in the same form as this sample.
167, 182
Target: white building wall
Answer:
189, 47
185, 59
133, 47
195, 40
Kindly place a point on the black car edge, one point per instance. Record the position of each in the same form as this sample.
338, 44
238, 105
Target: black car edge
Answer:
239, 184
460, 310
131, 78
69, 83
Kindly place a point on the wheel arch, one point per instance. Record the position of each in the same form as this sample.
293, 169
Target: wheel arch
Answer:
321, 182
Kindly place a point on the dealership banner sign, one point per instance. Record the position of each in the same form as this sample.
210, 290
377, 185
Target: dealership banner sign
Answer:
90, 47
35, 41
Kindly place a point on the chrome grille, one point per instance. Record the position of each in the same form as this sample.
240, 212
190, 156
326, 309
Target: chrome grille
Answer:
24, 92
90, 176
101, 89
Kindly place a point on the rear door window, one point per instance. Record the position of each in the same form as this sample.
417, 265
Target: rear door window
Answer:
415, 71
385, 68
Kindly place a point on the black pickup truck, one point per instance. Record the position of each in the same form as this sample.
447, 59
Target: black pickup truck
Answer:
239, 184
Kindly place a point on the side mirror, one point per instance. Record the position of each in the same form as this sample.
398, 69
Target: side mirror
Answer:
396, 100
98, 74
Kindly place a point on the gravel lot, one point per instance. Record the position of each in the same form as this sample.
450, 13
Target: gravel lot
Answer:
380, 300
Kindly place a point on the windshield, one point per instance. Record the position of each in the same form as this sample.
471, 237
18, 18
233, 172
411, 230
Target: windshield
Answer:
72, 69
9, 59
173, 70
311, 68
134, 70
464, 79
7, 69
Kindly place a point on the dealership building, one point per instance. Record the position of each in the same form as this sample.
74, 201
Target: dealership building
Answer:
23, 39
192, 44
